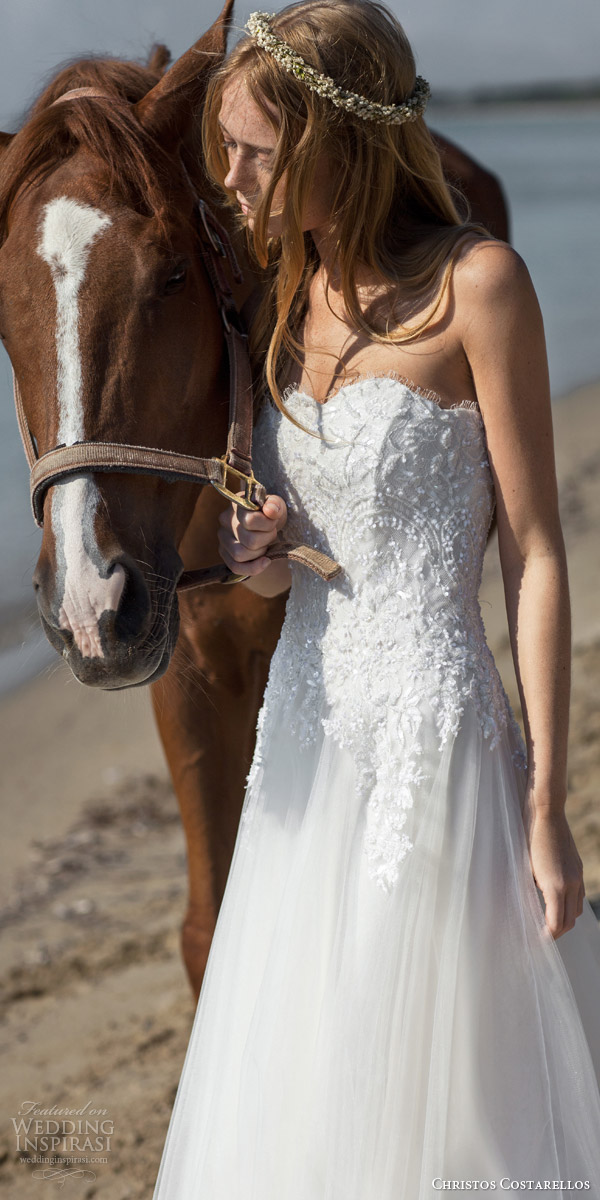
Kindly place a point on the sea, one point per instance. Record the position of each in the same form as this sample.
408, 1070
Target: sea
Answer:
548, 159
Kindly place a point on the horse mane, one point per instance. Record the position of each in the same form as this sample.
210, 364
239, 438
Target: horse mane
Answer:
140, 170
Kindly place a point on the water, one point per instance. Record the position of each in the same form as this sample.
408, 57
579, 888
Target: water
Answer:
549, 162
548, 158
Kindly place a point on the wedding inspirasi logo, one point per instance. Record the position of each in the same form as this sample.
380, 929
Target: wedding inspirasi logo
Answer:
61, 1141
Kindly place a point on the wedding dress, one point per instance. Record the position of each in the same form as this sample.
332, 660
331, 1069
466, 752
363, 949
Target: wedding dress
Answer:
383, 1007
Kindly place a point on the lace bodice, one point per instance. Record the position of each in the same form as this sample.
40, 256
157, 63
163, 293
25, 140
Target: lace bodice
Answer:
399, 490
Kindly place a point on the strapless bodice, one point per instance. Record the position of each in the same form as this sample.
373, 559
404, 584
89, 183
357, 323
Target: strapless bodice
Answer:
395, 487
399, 491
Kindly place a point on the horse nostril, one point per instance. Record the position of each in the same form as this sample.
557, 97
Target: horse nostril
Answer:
133, 613
117, 577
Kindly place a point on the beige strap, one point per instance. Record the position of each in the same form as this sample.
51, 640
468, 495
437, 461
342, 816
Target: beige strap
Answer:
26, 438
318, 562
118, 456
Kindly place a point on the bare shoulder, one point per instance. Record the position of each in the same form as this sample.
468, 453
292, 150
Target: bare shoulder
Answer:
490, 273
501, 331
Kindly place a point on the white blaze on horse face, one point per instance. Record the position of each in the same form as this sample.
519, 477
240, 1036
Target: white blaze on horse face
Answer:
68, 230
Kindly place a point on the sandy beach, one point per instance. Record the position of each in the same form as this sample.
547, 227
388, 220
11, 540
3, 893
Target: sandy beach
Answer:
96, 1008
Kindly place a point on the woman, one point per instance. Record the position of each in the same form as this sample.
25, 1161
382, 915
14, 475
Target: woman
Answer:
401, 988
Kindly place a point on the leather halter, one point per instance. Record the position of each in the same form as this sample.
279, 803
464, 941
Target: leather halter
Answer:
64, 461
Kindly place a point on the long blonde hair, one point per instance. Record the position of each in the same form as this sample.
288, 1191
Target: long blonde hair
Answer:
393, 211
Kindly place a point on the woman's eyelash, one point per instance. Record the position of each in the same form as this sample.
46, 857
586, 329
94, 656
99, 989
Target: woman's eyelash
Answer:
227, 145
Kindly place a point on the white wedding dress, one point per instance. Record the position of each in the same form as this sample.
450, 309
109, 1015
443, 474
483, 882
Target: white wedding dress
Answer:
383, 1007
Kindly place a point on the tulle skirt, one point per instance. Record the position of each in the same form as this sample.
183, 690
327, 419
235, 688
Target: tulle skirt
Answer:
350, 1044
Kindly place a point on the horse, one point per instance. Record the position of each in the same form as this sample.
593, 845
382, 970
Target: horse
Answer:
114, 335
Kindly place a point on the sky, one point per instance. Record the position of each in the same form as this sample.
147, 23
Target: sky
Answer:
458, 43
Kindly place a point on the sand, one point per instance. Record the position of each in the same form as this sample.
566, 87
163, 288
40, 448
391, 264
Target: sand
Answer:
96, 1008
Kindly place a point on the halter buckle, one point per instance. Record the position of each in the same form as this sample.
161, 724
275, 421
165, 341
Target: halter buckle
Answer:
244, 498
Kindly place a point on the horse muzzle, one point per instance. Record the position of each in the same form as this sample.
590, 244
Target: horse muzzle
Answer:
117, 629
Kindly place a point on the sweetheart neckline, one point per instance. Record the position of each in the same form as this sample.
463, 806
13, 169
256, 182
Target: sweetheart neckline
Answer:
427, 395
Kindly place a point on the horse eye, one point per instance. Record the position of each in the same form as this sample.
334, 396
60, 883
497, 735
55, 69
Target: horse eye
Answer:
176, 281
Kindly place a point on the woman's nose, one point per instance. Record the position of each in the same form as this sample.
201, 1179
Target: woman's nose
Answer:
235, 174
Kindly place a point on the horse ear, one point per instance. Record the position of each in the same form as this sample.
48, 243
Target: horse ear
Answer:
167, 110
158, 58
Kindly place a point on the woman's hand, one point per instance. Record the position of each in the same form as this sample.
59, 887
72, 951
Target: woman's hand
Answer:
556, 865
244, 536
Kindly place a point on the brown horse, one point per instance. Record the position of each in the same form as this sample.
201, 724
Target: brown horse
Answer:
113, 332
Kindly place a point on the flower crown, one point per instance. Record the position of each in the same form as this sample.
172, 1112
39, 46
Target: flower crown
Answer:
258, 26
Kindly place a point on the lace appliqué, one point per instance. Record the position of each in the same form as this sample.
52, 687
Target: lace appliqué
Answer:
413, 388
390, 654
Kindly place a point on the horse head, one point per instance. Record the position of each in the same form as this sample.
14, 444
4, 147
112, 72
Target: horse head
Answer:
113, 332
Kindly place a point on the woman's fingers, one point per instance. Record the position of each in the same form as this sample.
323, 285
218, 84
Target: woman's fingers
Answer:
272, 516
563, 907
252, 540
237, 551
244, 535
251, 567
554, 913
556, 865
571, 912
255, 530
275, 508
238, 558
231, 525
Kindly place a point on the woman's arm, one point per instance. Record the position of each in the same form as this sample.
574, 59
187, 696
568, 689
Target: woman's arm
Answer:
503, 338
243, 537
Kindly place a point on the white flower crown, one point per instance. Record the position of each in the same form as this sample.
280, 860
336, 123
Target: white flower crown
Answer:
258, 26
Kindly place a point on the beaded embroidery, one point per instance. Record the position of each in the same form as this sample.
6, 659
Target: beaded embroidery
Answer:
400, 492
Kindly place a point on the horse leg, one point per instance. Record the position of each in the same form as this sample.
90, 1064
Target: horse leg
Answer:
206, 707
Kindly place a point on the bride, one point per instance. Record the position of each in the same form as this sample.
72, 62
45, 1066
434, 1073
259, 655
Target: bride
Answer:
401, 992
